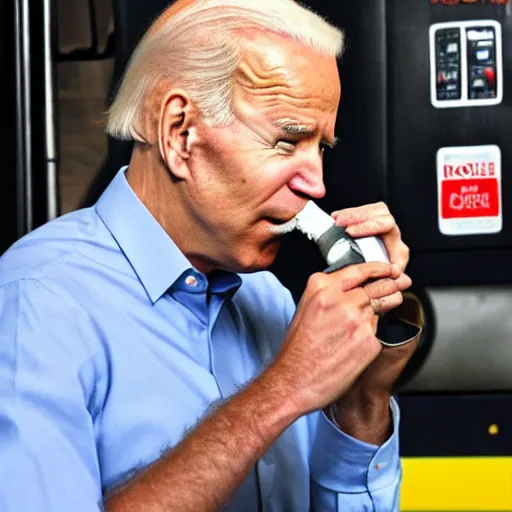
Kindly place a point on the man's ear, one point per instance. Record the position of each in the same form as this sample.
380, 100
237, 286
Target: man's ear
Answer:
176, 127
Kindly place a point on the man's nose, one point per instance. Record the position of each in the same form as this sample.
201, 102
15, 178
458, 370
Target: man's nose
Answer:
309, 181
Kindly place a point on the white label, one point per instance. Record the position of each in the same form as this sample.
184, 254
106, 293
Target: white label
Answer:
469, 190
466, 64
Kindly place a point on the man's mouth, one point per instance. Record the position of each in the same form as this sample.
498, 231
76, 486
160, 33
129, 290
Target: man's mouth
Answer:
282, 226
275, 220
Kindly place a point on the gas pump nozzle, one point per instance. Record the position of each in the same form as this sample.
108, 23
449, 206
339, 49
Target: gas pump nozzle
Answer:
339, 249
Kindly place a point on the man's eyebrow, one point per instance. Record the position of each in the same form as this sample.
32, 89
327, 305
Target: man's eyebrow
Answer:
296, 128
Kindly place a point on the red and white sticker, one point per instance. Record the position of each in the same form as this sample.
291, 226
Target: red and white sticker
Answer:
469, 190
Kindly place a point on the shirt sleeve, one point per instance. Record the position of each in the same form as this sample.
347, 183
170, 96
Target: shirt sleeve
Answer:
48, 461
348, 475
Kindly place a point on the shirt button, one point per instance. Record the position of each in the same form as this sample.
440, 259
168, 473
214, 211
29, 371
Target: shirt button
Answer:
191, 281
380, 465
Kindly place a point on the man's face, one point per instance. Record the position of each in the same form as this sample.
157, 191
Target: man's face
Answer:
262, 169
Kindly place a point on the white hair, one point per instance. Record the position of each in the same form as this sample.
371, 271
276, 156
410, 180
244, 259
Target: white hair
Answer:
198, 50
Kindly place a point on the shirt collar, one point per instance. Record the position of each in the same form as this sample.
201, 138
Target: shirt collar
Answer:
156, 259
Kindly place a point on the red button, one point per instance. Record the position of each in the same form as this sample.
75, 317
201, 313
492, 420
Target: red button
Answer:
490, 74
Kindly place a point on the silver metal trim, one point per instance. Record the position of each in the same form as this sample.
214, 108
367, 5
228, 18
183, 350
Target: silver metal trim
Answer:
50, 135
51, 183
20, 158
27, 111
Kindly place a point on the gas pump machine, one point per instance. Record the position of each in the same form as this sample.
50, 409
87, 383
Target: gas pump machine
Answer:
425, 125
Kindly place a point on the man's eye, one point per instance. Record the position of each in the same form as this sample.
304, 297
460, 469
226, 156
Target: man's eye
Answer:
286, 145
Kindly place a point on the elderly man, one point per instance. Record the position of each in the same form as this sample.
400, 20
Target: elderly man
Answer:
148, 362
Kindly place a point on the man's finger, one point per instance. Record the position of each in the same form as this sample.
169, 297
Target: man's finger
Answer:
385, 304
357, 275
385, 294
376, 226
381, 288
349, 216
385, 227
398, 252
404, 282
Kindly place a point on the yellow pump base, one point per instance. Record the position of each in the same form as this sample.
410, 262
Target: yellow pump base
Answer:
463, 484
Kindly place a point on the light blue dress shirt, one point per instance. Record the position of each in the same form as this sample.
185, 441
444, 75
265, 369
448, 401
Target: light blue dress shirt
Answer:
112, 347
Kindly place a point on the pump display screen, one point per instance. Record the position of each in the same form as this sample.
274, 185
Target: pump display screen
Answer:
481, 57
448, 64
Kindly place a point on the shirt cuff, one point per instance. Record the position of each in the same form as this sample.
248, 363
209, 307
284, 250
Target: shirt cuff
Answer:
344, 464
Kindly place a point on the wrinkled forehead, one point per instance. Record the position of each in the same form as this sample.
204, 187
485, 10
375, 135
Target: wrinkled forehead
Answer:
274, 65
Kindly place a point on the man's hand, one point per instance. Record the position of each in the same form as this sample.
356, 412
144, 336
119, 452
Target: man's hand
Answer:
331, 339
376, 220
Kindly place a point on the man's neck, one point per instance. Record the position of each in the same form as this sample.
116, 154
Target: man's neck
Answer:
151, 182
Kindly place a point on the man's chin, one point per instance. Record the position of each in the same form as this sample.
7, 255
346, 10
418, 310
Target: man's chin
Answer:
263, 258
